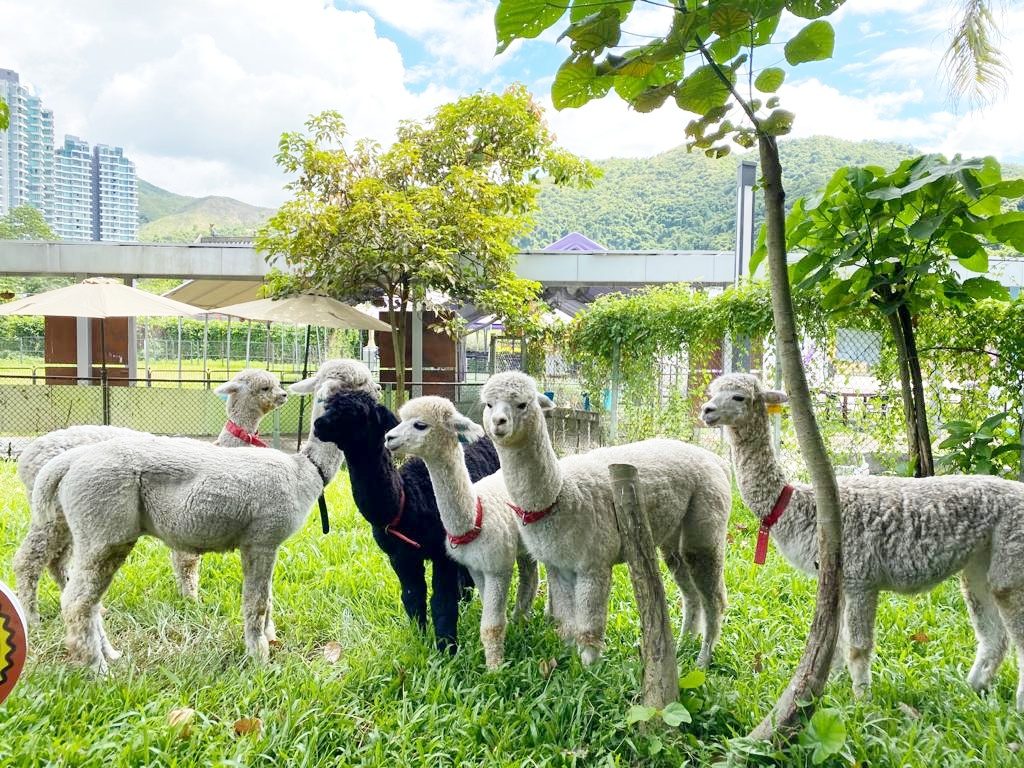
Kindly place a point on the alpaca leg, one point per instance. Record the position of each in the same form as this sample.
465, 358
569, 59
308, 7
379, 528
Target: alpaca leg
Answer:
526, 589
562, 601
186, 572
492, 617
592, 590
707, 569
269, 628
839, 655
466, 586
860, 629
411, 572
988, 626
257, 575
692, 611
1011, 606
444, 603
91, 574
32, 556
60, 566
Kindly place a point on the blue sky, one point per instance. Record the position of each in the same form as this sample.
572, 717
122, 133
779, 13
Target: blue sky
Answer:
198, 92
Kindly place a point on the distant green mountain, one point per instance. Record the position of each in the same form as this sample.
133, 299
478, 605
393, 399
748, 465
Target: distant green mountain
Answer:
168, 217
681, 201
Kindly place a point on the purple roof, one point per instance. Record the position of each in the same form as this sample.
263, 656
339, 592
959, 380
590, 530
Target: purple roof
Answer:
574, 241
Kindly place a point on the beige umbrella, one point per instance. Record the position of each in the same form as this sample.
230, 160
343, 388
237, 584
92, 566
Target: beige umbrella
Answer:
99, 297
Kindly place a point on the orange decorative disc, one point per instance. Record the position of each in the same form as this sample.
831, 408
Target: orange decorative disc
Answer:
13, 641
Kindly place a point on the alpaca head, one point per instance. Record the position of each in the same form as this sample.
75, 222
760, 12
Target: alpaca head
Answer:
431, 426
513, 408
737, 399
353, 421
350, 374
253, 390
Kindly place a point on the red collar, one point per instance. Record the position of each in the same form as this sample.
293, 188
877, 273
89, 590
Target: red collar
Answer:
252, 438
390, 527
472, 533
761, 550
526, 517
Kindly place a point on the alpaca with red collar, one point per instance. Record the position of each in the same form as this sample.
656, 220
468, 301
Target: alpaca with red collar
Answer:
568, 520
899, 534
481, 529
194, 497
400, 507
251, 394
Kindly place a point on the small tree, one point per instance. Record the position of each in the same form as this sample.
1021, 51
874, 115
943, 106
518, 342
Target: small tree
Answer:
438, 211
889, 242
24, 222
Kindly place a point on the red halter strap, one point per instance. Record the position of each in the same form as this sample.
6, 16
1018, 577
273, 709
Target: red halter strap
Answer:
390, 527
761, 550
527, 517
252, 438
472, 533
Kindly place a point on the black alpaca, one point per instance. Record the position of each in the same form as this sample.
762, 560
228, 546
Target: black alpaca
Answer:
401, 507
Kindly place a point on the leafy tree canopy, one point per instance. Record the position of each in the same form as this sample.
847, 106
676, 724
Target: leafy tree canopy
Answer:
25, 223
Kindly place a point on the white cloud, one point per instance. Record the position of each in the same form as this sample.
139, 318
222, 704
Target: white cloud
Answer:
199, 92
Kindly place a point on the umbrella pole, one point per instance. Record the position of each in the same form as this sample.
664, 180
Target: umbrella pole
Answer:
179, 351
305, 373
206, 340
103, 371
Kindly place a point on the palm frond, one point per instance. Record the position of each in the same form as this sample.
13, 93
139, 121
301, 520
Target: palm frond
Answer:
975, 67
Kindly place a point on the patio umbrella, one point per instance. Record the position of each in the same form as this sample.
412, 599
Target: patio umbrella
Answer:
99, 297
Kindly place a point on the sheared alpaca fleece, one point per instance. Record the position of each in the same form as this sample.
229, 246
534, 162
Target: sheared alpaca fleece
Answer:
357, 423
251, 394
434, 430
899, 534
194, 497
687, 496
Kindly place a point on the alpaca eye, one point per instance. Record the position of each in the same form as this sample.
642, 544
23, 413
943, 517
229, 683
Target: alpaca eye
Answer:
738, 398
522, 406
487, 405
420, 426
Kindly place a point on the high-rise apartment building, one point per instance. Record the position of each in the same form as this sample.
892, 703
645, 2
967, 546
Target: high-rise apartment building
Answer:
73, 209
115, 195
26, 149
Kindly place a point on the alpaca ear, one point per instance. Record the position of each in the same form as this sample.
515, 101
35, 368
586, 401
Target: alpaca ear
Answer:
385, 417
228, 388
774, 396
545, 402
468, 431
304, 387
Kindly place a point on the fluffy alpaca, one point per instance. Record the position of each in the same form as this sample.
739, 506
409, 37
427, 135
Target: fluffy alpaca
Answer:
349, 375
899, 534
569, 521
400, 507
193, 496
482, 531
251, 394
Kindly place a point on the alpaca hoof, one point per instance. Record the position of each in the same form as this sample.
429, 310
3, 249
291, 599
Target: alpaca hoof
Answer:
259, 650
861, 690
703, 660
589, 655
270, 632
99, 668
111, 653
447, 645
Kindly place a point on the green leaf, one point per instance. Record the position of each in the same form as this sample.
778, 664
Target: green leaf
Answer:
815, 42
728, 19
1011, 188
652, 98
969, 251
1011, 233
574, 83
583, 8
925, 227
639, 713
984, 288
703, 90
826, 733
693, 679
675, 714
813, 9
770, 79
778, 123
595, 32
524, 18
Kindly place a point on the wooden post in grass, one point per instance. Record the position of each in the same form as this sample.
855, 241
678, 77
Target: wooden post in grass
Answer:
661, 678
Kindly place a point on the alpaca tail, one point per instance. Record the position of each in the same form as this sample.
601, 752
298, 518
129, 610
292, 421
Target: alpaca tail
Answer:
46, 507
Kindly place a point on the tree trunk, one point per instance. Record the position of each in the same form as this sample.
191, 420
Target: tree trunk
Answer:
661, 677
811, 674
924, 439
906, 393
397, 321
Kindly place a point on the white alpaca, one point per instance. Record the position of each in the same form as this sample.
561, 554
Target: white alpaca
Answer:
193, 496
482, 529
251, 394
569, 522
899, 534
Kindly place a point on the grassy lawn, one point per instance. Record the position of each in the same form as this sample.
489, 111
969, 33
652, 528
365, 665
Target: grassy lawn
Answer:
390, 700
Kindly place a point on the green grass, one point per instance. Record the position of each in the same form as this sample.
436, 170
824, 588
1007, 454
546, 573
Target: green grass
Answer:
392, 701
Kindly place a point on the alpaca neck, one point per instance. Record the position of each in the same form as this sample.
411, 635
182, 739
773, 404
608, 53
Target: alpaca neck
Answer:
758, 473
453, 490
326, 457
532, 472
376, 484
246, 415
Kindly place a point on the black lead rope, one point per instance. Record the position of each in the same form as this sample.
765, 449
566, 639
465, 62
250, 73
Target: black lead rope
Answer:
325, 522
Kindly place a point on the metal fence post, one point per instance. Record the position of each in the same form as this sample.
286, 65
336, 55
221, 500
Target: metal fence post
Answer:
613, 425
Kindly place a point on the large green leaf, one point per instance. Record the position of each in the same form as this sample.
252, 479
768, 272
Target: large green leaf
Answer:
703, 90
727, 19
1012, 233
574, 83
826, 733
640, 714
770, 79
595, 32
984, 288
778, 123
813, 9
964, 246
675, 714
815, 42
652, 98
524, 18
581, 8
